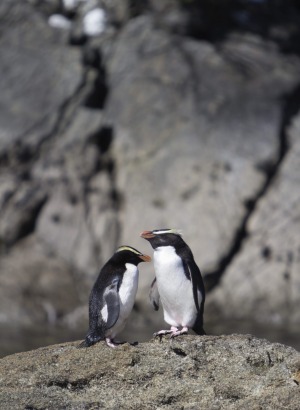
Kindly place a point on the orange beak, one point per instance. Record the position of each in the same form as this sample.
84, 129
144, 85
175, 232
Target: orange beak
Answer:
147, 234
145, 258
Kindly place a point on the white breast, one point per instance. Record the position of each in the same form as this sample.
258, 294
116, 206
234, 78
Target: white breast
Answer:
127, 293
176, 291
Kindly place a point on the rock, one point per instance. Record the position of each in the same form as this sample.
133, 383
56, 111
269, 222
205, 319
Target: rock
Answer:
59, 21
190, 144
20, 211
74, 228
94, 22
71, 5
36, 286
34, 84
219, 372
118, 12
263, 280
134, 129
56, 189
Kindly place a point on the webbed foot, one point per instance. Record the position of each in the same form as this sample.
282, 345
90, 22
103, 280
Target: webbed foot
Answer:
177, 332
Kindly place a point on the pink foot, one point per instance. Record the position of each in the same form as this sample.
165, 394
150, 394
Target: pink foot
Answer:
110, 342
165, 332
177, 332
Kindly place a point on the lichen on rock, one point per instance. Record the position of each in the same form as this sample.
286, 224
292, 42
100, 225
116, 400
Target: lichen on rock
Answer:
190, 372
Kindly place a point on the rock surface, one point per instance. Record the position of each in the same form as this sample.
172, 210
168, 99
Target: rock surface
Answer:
35, 84
191, 146
175, 116
269, 263
56, 189
213, 372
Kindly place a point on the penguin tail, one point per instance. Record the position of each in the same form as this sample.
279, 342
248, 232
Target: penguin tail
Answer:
82, 344
199, 330
90, 340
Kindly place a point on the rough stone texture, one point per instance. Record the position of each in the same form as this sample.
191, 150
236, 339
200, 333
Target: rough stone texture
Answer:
264, 277
75, 169
55, 171
191, 145
143, 128
27, 66
43, 285
225, 372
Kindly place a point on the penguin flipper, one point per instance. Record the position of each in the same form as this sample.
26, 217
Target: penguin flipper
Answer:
91, 339
198, 326
154, 295
112, 301
193, 273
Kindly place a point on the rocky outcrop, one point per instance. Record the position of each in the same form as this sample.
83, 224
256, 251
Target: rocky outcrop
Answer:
193, 146
171, 115
224, 372
56, 194
264, 277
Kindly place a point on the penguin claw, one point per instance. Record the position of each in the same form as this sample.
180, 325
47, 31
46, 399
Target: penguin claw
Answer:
111, 343
162, 333
82, 345
183, 331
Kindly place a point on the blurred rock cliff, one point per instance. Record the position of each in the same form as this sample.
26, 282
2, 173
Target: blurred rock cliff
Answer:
116, 117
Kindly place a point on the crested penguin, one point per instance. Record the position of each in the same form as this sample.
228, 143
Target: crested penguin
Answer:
112, 296
178, 283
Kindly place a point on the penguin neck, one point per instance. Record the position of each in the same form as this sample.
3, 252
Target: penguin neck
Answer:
165, 249
164, 254
167, 265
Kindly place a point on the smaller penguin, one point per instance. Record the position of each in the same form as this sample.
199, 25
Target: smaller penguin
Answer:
112, 296
178, 282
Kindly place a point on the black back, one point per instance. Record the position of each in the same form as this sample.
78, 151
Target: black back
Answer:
104, 291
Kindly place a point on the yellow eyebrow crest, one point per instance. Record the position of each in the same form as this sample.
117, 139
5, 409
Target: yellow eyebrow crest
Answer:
128, 248
162, 231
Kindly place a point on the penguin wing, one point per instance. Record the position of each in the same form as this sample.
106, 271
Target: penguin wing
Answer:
112, 302
194, 275
154, 295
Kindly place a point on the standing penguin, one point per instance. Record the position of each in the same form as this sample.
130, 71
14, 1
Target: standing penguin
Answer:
178, 282
112, 297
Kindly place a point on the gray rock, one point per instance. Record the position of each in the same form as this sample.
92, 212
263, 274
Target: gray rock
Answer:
192, 127
20, 207
118, 11
56, 188
36, 286
224, 372
74, 229
263, 281
188, 134
34, 83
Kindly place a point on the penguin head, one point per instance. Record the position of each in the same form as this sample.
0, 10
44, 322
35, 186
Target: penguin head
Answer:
127, 254
163, 237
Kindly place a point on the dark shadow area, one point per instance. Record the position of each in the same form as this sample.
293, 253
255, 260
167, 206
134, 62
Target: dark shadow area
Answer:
102, 138
97, 96
277, 20
28, 225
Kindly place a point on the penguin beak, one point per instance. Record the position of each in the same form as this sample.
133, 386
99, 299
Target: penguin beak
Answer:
147, 234
145, 258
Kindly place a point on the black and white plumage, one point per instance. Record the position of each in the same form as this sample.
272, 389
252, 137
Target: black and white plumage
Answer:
113, 294
178, 282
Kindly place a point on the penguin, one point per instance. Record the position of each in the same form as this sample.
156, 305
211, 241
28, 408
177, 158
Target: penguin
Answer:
112, 296
178, 283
